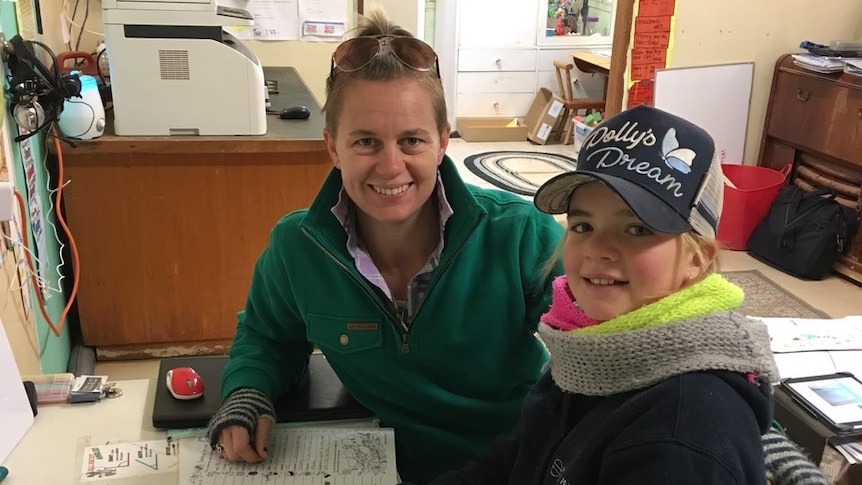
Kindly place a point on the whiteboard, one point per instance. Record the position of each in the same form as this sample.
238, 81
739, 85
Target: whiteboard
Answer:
15, 412
716, 98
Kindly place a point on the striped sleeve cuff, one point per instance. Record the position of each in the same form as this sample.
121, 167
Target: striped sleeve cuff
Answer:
786, 464
243, 407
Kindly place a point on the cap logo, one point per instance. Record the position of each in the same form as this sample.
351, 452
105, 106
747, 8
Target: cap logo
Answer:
615, 157
627, 133
675, 157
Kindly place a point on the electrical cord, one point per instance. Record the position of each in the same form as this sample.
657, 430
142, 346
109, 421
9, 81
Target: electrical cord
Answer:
83, 23
56, 328
71, 20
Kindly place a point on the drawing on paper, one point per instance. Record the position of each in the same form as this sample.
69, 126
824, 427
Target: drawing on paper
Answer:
130, 459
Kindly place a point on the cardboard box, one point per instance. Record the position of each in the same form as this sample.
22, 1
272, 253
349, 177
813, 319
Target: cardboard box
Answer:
490, 129
543, 115
838, 469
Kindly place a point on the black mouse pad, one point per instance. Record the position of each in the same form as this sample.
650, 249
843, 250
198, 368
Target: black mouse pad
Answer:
318, 396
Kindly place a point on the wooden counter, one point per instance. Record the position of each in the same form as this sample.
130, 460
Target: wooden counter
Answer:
168, 228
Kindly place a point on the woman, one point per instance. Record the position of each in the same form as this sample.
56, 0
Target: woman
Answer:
423, 292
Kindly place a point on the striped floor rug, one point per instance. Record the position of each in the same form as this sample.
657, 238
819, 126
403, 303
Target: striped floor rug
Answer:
518, 171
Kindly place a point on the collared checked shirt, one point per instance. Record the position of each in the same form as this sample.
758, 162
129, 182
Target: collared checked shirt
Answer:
345, 211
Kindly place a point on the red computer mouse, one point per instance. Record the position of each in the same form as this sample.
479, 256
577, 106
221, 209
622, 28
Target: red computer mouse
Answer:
184, 383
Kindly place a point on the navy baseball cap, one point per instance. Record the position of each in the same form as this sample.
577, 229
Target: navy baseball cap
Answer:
663, 167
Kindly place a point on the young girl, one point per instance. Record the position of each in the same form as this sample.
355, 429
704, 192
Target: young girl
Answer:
654, 379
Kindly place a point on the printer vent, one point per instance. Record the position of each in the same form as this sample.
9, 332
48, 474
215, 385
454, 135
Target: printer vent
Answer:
174, 64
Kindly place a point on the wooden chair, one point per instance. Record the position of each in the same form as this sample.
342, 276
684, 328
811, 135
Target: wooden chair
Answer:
572, 105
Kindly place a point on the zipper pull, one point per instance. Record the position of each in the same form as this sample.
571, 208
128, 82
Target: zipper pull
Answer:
401, 313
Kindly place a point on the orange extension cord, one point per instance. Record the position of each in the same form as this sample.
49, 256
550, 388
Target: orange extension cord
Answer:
73, 248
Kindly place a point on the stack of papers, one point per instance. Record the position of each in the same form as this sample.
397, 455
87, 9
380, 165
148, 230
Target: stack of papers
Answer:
806, 347
853, 66
822, 64
851, 448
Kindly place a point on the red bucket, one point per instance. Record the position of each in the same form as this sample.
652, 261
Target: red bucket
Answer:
746, 204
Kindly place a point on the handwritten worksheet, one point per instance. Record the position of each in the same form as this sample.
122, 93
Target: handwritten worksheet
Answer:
308, 456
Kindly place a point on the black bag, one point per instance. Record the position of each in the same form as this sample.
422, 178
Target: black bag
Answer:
803, 233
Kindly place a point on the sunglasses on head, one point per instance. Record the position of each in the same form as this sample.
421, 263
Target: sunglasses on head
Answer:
356, 53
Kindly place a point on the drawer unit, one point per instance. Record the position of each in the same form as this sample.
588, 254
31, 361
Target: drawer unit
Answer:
496, 59
819, 111
496, 82
494, 104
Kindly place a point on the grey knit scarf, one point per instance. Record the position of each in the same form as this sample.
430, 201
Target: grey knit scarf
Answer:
605, 363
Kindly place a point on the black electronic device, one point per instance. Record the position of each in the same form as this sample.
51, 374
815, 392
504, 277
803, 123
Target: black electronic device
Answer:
295, 113
318, 396
834, 399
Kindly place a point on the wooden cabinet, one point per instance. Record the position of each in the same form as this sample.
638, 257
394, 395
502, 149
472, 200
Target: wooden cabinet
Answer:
814, 122
168, 228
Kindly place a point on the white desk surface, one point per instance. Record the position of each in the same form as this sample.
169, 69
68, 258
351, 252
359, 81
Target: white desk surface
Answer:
48, 453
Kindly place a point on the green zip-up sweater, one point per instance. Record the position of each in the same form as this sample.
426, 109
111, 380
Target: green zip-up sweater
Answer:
458, 378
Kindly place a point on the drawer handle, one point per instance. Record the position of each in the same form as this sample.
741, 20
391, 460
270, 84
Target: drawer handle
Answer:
496, 106
803, 95
860, 113
499, 61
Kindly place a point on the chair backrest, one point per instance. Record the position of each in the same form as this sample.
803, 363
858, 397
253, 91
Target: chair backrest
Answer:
565, 88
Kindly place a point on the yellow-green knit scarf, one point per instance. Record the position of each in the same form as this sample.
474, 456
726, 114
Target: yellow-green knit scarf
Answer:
712, 294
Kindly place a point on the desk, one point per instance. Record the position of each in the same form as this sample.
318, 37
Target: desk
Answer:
48, 453
592, 63
168, 228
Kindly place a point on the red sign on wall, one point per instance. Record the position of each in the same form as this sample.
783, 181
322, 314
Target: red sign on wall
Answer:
655, 8
652, 40
652, 24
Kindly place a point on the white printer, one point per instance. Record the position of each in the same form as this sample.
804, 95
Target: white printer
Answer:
176, 71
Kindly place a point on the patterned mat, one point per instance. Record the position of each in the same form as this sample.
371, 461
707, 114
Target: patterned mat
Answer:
516, 171
764, 298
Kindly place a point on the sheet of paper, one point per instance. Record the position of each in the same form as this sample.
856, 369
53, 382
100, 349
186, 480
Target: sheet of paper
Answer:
135, 459
324, 20
273, 19
802, 334
15, 412
848, 361
804, 364
308, 456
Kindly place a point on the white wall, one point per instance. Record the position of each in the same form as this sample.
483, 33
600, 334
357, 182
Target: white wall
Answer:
409, 14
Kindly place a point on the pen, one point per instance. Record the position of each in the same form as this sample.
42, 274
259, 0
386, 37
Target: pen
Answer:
3, 472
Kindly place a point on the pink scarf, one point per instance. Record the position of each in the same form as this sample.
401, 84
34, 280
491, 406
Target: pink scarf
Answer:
564, 313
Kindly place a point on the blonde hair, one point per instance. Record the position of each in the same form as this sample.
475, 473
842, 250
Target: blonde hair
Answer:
381, 68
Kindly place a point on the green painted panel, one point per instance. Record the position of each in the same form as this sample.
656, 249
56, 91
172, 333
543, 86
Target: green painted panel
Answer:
53, 350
